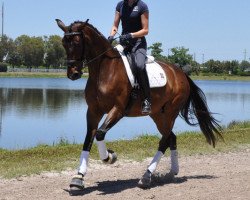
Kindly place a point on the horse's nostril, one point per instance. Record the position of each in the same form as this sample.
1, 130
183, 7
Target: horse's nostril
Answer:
75, 76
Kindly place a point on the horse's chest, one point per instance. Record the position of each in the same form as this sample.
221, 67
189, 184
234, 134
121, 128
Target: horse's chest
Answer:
100, 96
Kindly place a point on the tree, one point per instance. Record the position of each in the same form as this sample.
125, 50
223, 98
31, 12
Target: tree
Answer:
180, 56
230, 66
214, 66
14, 58
5, 46
55, 53
31, 50
156, 50
244, 65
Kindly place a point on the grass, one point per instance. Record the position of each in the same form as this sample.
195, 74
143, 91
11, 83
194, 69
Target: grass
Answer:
62, 156
221, 77
35, 74
63, 75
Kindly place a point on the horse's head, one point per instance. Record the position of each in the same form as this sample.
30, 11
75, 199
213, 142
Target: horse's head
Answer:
73, 42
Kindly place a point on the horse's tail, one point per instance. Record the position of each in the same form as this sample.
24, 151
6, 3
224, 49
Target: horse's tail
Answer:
196, 106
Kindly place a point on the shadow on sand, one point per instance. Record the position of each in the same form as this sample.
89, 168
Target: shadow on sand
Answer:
113, 187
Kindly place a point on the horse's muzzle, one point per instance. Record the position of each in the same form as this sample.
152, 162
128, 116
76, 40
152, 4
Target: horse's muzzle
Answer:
74, 74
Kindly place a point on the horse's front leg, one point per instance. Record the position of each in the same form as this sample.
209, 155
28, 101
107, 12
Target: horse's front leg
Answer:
107, 156
93, 118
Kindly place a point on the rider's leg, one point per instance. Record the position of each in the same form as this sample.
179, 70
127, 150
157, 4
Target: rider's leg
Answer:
144, 84
139, 57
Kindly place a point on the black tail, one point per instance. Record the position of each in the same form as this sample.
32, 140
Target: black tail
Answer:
196, 106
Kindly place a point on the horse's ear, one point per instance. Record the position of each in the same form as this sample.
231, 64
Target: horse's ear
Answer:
61, 25
83, 25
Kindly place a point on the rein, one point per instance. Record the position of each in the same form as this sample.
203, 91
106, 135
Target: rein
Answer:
82, 59
93, 59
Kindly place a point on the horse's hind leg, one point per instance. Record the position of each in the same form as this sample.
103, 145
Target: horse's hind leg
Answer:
164, 124
173, 154
170, 142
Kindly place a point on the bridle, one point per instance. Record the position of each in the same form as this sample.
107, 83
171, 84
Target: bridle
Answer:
82, 59
71, 61
74, 33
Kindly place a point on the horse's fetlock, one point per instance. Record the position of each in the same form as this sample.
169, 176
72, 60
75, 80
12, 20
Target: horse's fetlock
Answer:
112, 157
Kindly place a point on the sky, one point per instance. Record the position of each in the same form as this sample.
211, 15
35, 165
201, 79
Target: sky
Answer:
210, 29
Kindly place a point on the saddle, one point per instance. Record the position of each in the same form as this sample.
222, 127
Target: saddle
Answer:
156, 75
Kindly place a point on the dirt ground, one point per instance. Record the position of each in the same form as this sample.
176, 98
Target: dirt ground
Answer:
221, 176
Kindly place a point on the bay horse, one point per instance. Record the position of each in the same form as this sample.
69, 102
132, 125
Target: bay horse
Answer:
108, 91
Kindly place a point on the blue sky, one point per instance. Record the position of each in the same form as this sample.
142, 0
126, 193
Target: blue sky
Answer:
219, 29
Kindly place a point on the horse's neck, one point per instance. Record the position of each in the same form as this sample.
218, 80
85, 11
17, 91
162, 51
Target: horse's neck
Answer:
98, 50
99, 54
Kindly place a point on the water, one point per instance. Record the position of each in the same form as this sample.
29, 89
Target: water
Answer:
42, 111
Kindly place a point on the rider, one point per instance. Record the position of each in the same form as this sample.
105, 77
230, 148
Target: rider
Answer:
134, 16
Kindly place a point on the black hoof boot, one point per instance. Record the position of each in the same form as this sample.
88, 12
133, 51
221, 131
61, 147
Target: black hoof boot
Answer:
145, 181
77, 183
112, 157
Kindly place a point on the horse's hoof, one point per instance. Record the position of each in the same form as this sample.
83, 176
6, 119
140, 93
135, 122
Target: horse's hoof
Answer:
174, 172
77, 183
145, 181
112, 157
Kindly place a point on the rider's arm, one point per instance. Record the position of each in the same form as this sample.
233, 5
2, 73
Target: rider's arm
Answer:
115, 24
144, 30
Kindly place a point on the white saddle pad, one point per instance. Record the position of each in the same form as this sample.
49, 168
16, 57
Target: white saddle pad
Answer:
156, 75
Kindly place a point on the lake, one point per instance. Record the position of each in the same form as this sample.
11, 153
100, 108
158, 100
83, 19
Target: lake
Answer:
42, 110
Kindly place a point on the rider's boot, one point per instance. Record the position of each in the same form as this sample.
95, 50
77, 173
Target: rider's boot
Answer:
144, 84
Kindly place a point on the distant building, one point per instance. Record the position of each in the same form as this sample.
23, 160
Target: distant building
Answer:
247, 69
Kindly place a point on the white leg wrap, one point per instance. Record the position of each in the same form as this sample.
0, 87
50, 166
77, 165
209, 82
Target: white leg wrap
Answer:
155, 161
102, 150
174, 161
84, 162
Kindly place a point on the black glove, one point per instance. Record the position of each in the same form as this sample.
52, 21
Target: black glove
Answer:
125, 38
111, 39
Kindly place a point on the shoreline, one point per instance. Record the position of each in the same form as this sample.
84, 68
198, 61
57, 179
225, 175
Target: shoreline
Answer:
85, 75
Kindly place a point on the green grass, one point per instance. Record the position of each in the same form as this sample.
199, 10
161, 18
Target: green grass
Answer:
63, 75
221, 77
62, 156
33, 75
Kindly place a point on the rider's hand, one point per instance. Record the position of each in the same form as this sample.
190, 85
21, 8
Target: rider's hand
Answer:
125, 38
111, 39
